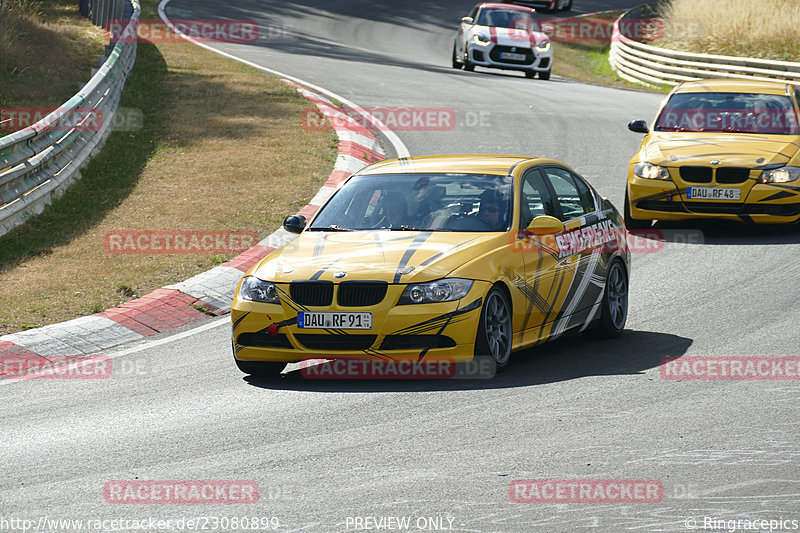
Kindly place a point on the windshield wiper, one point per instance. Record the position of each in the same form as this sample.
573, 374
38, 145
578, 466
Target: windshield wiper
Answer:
408, 228
332, 227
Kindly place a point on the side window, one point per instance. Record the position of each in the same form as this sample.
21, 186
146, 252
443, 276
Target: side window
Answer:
535, 199
572, 194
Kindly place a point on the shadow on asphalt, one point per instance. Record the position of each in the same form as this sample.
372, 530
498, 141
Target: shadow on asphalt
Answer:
572, 357
721, 232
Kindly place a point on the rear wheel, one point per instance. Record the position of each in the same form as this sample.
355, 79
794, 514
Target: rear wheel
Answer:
544, 75
494, 329
615, 302
632, 223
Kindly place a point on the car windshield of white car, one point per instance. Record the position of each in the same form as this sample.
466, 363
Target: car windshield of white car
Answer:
418, 202
505, 18
730, 113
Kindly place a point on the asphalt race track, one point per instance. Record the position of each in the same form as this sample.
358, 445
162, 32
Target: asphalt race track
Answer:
324, 453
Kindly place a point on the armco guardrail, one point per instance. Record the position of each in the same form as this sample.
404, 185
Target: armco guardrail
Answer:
643, 63
39, 162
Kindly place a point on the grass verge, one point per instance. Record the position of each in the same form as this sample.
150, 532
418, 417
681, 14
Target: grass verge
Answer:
221, 148
766, 29
31, 75
586, 60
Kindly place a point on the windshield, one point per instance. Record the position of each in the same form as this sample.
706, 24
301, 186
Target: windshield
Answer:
505, 18
729, 112
431, 202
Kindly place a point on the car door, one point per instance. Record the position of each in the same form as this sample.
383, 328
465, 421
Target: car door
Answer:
544, 274
580, 248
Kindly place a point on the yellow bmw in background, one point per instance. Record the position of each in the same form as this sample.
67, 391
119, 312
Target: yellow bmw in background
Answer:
437, 258
726, 149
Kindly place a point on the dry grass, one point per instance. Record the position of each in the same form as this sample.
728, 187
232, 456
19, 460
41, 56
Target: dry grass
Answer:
767, 29
46, 50
223, 149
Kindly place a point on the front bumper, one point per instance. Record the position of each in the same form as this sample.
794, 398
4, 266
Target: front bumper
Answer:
666, 200
430, 332
489, 56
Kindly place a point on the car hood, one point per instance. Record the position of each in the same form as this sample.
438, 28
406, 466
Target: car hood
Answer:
733, 149
392, 256
511, 36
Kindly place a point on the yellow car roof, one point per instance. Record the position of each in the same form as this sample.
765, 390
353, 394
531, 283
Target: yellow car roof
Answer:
732, 86
499, 165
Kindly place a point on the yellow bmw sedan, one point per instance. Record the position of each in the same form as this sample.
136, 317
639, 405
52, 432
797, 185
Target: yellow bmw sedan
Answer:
437, 258
727, 149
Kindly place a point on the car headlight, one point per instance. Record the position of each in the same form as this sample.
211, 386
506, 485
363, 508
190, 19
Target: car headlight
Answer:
443, 290
256, 290
543, 46
482, 39
650, 171
780, 175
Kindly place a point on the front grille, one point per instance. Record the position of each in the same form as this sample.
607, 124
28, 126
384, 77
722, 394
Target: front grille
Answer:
653, 205
694, 174
779, 210
495, 55
315, 293
729, 208
336, 342
416, 342
361, 293
264, 340
732, 175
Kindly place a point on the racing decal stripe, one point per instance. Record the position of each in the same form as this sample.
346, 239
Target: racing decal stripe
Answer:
432, 323
420, 238
449, 250
239, 321
589, 276
778, 196
319, 273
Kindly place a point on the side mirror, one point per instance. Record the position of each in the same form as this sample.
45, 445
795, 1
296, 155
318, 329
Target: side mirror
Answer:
294, 223
545, 225
466, 20
639, 126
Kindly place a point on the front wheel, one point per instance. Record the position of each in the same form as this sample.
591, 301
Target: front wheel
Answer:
544, 75
456, 63
615, 302
494, 329
632, 223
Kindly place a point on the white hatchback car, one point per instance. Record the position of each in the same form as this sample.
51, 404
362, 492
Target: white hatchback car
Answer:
503, 36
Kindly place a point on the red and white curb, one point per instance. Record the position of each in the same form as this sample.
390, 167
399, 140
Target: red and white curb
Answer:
209, 293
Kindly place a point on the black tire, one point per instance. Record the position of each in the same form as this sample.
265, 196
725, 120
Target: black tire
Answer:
632, 223
614, 312
569, 6
468, 66
456, 63
544, 75
495, 329
530, 74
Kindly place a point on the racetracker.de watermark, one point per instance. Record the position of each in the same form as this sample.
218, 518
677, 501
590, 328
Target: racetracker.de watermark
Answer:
178, 241
180, 492
733, 368
55, 367
204, 31
583, 29
586, 491
389, 119
603, 237
63, 120
755, 120
480, 367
